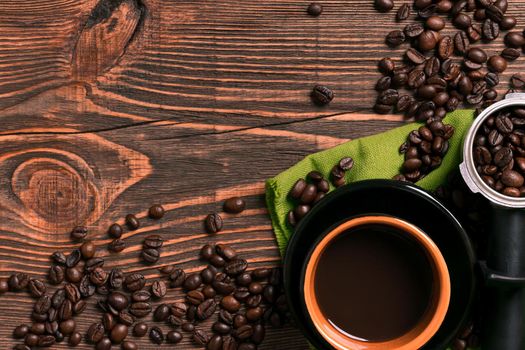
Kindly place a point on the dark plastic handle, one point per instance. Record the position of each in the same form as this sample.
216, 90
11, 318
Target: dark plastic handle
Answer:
504, 296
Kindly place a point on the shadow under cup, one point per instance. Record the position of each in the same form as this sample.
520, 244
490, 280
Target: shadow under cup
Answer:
395, 259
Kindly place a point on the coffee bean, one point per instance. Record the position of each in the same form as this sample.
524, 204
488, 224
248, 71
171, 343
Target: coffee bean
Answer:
87, 250
229, 343
156, 336
461, 43
511, 192
79, 233
230, 304
134, 282
427, 40
103, 344
175, 321
174, 337
308, 194
413, 30
67, 327
115, 230
213, 223
156, 211
321, 95
140, 330
386, 65
221, 328
46, 341
132, 222
18, 282
510, 54
20, 331
98, 277
200, 337
177, 278
119, 301
504, 124
234, 205
445, 47
511, 178
508, 22
395, 38
59, 258
75, 339
517, 81
497, 64
494, 13
241, 293
37, 288
490, 29
462, 21
188, 327
206, 309
259, 333
93, 264
118, 333
153, 242
158, 289
503, 156
427, 11
31, 340
235, 267
314, 9
42, 305
474, 33
95, 333
243, 332
254, 300
403, 12
215, 343
416, 78
140, 309
384, 5
195, 297
150, 255
129, 345
415, 56
192, 282
514, 39
117, 245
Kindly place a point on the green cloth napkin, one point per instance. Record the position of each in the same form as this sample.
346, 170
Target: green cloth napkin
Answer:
375, 157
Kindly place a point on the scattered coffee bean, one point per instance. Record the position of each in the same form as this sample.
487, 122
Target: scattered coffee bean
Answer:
234, 205
79, 233
156, 211
132, 222
384, 5
321, 95
115, 230
213, 223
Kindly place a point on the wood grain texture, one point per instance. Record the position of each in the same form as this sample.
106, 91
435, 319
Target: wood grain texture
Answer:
108, 106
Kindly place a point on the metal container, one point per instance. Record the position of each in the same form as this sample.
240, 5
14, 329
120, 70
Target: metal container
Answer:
504, 268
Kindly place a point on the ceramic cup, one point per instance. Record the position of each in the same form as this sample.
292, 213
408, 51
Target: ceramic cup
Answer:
429, 323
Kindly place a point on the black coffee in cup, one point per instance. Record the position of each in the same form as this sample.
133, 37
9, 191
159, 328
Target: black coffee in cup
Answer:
374, 282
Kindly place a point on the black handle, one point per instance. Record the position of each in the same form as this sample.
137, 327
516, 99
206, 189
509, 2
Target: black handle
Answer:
504, 296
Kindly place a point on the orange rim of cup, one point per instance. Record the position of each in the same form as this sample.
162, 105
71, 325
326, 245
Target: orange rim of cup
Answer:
430, 322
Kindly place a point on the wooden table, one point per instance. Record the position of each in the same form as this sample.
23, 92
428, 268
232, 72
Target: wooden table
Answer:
109, 106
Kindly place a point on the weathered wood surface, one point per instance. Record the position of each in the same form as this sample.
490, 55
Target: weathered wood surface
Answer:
107, 106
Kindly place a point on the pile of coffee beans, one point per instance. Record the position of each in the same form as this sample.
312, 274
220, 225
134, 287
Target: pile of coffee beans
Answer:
424, 150
243, 300
445, 70
499, 151
307, 193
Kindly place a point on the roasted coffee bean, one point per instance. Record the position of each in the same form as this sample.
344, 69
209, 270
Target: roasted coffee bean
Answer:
208, 292
206, 309
427, 92
234, 205
75, 339
79, 233
179, 309
517, 81
432, 66
490, 29
213, 223
462, 21
416, 78
384, 5
118, 333
308, 194
427, 11
46, 341
116, 278
445, 47
297, 189
140, 309
388, 97
221, 328
243, 332
223, 287
103, 344
93, 263
167, 270
508, 22
415, 56
153, 241
386, 66
31, 340
395, 38
504, 124
192, 282
241, 293
230, 304
461, 43
95, 333
56, 274
158, 289
175, 321
98, 277
229, 343
67, 327
477, 55
254, 300
37, 288
314, 9
215, 343
502, 157
140, 329
188, 327
254, 314
403, 12
174, 337
474, 33
156, 211
42, 305
38, 328
200, 337
134, 282
494, 13
156, 335
259, 333
108, 321
18, 281
208, 250
398, 81
132, 222
119, 301
20, 331
150, 255
413, 30
115, 230
239, 320
514, 39
511, 178
177, 278
58, 258
321, 95
235, 267
86, 288
195, 297
129, 345
435, 23
511, 192
117, 245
